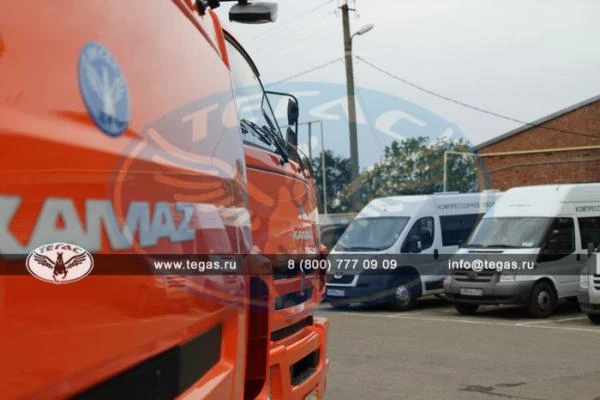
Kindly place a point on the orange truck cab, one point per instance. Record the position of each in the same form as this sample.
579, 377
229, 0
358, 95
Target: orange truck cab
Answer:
110, 147
284, 216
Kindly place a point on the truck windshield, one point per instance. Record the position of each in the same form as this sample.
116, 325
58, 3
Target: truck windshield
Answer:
377, 233
509, 232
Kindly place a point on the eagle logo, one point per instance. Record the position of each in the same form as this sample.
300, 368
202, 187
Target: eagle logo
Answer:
104, 89
59, 263
109, 92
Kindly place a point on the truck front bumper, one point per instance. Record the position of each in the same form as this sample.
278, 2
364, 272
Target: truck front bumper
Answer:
298, 364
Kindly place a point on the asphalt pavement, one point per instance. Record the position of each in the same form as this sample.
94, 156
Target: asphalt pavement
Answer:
435, 353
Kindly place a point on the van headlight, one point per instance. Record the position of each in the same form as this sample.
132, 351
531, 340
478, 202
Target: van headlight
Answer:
584, 280
508, 277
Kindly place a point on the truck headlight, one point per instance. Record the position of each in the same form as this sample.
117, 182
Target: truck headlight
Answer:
508, 277
584, 280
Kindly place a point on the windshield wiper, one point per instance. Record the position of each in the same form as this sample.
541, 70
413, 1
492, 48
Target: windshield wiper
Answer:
363, 248
267, 136
278, 142
474, 245
502, 246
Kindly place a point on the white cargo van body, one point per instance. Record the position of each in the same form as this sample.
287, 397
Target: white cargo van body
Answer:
429, 228
546, 226
589, 284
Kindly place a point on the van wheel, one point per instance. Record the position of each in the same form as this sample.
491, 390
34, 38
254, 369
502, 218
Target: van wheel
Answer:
405, 295
594, 318
466, 309
542, 300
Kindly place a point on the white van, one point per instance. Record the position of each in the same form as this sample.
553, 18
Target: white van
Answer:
332, 226
589, 282
544, 232
417, 233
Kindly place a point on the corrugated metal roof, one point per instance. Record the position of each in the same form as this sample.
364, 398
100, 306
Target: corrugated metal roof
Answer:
537, 122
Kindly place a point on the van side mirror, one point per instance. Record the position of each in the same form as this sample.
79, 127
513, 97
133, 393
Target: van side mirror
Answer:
412, 246
554, 246
253, 13
590, 249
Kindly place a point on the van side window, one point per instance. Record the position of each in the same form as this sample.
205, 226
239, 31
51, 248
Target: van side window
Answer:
456, 228
422, 231
254, 111
559, 241
590, 231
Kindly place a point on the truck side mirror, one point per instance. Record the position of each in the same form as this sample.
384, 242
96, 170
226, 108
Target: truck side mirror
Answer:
291, 137
293, 115
253, 13
293, 112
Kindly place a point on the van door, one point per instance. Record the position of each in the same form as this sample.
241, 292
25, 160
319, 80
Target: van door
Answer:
455, 229
589, 232
420, 242
559, 256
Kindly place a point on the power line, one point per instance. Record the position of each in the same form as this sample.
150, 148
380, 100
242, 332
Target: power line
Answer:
291, 40
469, 106
293, 22
318, 67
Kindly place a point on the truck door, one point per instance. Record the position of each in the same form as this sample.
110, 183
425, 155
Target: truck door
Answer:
281, 203
70, 73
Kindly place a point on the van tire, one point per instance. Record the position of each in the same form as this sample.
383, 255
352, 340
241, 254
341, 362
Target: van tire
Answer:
405, 294
542, 300
594, 318
466, 308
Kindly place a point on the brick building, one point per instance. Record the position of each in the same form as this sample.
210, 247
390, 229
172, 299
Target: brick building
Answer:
563, 147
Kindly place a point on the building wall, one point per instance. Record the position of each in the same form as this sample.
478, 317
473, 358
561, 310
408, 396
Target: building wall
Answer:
504, 172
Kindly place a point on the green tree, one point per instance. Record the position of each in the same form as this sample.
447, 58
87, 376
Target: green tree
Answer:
338, 175
414, 166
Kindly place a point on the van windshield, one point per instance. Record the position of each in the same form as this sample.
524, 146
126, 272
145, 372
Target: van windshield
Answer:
509, 232
376, 233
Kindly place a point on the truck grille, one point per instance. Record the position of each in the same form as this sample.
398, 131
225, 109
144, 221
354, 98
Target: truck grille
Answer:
469, 276
596, 281
291, 329
340, 279
292, 299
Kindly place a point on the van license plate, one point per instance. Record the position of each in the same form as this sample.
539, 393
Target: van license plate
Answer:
336, 292
471, 292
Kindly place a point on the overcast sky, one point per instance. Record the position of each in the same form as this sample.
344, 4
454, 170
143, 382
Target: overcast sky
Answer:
520, 58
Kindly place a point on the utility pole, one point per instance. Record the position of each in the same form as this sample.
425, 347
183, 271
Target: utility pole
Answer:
457, 153
323, 166
354, 169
